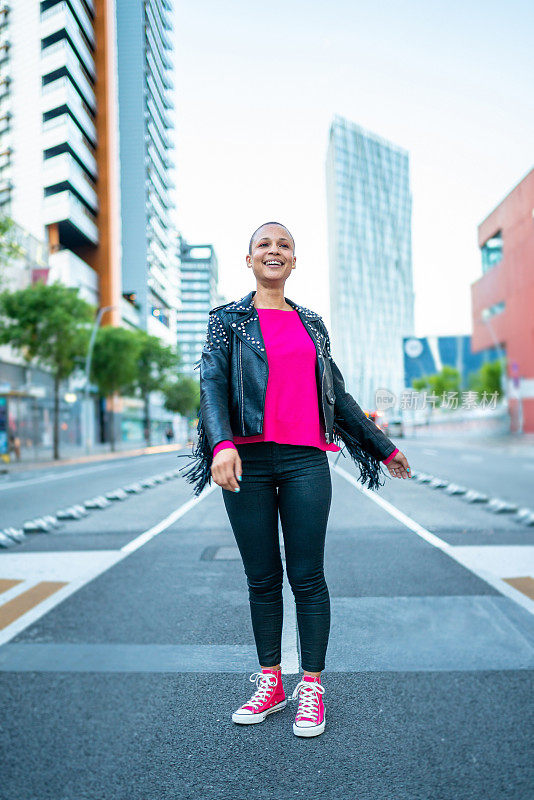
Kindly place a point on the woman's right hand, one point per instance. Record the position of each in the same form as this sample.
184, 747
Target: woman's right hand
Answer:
226, 468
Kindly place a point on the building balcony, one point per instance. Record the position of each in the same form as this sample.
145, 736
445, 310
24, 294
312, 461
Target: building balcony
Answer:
61, 56
62, 169
159, 100
70, 270
58, 132
161, 189
78, 49
61, 93
155, 163
163, 64
67, 210
156, 23
155, 230
57, 17
129, 313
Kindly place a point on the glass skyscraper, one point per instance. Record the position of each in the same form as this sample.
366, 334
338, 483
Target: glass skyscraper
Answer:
369, 232
146, 125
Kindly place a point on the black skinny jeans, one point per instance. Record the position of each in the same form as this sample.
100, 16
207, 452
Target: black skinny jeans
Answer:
295, 481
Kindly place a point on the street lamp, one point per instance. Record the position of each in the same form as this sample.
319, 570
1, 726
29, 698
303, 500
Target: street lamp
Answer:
96, 325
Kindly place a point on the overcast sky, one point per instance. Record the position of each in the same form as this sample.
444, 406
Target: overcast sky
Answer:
257, 86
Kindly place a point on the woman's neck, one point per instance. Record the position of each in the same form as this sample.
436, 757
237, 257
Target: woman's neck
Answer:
271, 299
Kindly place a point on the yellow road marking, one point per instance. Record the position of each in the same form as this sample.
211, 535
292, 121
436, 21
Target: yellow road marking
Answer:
7, 583
25, 601
525, 585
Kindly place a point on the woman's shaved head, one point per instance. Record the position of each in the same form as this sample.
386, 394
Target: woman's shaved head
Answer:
265, 224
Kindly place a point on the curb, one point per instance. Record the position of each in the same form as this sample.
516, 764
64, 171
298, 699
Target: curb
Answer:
495, 505
9, 537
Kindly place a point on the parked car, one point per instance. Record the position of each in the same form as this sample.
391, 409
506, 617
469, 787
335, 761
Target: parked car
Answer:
396, 427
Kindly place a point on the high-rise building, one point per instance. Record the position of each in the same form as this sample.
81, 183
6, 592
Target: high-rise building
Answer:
503, 297
58, 157
370, 254
198, 294
63, 127
149, 255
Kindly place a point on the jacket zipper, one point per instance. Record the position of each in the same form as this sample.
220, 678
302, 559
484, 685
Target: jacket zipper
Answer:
322, 403
241, 387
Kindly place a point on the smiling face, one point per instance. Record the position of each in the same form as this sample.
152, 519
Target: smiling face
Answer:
272, 253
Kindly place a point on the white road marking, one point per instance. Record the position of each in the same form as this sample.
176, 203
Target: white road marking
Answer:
78, 568
470, 457
430, 452
455, 552
145, 537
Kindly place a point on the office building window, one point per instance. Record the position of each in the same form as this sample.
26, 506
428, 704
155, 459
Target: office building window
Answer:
491, 252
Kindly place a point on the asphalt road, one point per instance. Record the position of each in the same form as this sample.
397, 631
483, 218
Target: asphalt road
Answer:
126, 643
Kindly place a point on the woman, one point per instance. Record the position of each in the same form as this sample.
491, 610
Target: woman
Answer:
272, 402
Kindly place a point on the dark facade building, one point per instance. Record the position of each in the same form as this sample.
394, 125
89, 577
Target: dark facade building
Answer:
429, 354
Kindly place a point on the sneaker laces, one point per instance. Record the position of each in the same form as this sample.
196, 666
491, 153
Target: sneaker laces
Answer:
309, 697
265, 684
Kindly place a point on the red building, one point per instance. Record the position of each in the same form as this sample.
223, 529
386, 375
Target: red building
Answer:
502, 300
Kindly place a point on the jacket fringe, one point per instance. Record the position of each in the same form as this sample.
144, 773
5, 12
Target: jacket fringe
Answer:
199, 472
370, 467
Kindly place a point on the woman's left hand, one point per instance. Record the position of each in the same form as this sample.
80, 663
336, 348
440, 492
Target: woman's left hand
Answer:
399, 467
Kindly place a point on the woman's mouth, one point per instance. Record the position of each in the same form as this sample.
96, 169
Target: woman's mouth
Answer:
273, 263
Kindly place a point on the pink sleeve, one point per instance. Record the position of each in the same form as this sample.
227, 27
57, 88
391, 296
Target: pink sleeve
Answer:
222, 445
391, 456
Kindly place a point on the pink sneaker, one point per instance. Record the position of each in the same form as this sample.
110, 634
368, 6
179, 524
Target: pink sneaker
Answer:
268, 698
310, 719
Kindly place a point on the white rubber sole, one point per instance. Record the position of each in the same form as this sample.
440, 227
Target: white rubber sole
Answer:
298, 730
253, 719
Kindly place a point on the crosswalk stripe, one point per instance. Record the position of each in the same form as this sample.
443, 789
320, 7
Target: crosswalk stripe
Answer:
27, 600
524, 584
7, 583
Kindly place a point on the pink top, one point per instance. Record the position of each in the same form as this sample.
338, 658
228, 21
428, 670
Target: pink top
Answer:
291, 414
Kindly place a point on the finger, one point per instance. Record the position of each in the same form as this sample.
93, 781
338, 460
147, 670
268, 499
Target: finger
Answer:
405, 466
238, 471
231, 478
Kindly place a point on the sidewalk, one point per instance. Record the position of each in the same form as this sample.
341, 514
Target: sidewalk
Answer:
102, 453
510, 443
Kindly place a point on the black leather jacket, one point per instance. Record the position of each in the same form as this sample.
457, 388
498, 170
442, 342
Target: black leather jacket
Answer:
233, 384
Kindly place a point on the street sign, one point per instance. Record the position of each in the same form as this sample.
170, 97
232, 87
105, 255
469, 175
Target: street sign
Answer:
413, 348
4, 439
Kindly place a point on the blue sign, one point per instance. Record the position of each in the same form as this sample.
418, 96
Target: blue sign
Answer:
4, 439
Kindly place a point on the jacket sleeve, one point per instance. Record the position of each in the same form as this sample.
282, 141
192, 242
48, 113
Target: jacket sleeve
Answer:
213, 418
367, 445
346, 409
214, 382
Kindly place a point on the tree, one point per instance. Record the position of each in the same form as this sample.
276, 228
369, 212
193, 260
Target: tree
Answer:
154, 363
9, 248
114, 365
48, 325
448, 380
488, 378
182, 396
